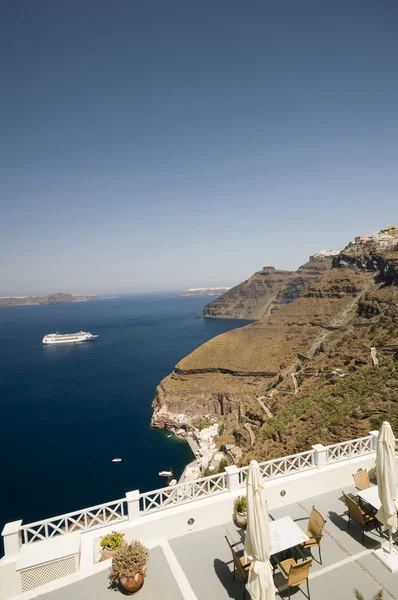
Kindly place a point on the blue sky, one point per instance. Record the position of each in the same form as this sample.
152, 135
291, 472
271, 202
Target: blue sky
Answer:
170, 144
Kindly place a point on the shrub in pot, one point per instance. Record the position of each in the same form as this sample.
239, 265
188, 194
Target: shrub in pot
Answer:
240, 506
129, 566
110, 543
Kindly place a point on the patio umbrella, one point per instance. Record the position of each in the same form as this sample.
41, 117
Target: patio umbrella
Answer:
387, 479
258, 538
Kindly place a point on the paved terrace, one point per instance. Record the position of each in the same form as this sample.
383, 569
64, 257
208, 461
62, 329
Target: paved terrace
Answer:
198, 566
184, 527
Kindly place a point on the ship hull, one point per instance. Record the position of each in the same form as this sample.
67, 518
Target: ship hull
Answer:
68, 339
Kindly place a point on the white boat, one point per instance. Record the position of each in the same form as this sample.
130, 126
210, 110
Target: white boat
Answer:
116, 460
68, 338
166, 473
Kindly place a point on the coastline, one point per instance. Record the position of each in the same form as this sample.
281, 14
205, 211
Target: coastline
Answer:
207, 455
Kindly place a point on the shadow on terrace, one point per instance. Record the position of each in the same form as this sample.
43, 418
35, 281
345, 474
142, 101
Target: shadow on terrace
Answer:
199, 565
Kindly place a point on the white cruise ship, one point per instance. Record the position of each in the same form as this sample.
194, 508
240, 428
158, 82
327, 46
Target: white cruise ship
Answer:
67, 338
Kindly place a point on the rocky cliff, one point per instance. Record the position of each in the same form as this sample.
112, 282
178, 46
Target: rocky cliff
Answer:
58, 298
309, 363
265, 291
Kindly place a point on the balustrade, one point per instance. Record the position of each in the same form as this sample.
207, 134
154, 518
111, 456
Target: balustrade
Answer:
135, 504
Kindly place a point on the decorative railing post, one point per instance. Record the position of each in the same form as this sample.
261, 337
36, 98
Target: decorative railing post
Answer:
374, 435
12, 538
133, 505
320, 455
232, 478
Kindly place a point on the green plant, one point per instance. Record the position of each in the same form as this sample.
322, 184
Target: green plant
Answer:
275, 383
203, 423
377, 596
240, 504
112, 540
129, 559
222, 465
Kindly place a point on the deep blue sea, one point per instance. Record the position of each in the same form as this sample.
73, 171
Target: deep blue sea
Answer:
67, 410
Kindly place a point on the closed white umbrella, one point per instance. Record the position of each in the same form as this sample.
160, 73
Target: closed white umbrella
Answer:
258, 538
387, 479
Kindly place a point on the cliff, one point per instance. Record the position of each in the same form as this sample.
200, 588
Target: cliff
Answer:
57, 298
310, 362
266, 291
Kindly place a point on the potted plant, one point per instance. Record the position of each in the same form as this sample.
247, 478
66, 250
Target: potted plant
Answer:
240, 506
110, 543
129, 566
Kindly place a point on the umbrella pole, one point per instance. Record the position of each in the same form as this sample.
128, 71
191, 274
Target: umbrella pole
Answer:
390, 539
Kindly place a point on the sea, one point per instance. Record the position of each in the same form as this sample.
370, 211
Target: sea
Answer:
67, 410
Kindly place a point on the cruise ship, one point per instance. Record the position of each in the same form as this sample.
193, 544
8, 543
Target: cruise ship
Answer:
67, 338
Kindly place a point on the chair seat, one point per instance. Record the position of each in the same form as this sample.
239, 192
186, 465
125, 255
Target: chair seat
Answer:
368, 518
244, 564
287, 564
311, 542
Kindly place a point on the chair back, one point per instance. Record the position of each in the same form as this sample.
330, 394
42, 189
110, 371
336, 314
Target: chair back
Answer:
354, 509
361, 480
238, 562
299, 573
316, 523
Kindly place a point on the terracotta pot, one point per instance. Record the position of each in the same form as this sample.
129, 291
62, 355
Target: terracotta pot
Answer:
241, 519
107, 553
134, 582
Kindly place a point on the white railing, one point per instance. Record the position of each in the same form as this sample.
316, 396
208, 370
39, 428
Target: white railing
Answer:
183, 493
88, 518
136, 504
345, 450
279, 467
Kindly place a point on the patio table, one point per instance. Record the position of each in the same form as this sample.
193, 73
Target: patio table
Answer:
285, 534
371, 496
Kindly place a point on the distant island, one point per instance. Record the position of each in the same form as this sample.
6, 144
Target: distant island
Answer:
211, 291
58, 298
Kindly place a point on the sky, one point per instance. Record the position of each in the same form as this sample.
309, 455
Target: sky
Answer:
168, 144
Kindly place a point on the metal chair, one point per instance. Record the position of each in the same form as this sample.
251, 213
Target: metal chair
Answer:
360, 516
361, 480
316, 526
239, 565
294, 574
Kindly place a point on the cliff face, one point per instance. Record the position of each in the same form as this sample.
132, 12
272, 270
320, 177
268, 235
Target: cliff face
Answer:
265, 291
371, 257
57, 298
309, 361
240, 363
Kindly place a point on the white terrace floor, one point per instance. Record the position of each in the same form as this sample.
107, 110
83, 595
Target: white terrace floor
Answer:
198, 565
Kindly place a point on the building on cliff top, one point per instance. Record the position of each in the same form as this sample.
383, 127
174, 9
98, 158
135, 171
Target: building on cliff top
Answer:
324, 254
384, 237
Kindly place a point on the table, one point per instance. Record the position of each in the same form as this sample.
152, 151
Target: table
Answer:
285, 534
371, 496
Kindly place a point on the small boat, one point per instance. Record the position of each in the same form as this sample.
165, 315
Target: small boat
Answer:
166, 473
116, 460
169, 435
173, 482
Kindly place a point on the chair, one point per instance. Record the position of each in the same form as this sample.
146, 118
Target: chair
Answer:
316, 526
361, 480
359, 515
294, 574
239, 565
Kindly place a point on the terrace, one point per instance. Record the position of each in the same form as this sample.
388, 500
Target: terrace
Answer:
185, 527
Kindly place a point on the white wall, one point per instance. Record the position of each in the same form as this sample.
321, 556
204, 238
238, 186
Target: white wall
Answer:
206, 512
